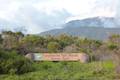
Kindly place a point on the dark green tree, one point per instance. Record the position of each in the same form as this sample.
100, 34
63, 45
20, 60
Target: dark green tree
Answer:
53, 47
32, 43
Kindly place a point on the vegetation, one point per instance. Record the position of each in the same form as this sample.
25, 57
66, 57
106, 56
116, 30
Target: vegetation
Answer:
12, 63
67, 71
104, 56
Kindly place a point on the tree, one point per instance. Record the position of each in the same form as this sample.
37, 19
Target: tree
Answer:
115, 38
71, 49
112, 46
88, 44
11, 39
12, 63
65, 40
53, 47
0, 38
32, 43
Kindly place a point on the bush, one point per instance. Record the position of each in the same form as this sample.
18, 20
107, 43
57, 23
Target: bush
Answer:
12, 63
112, 46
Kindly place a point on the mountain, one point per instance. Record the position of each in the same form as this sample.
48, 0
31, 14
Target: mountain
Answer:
94, 28
94, 22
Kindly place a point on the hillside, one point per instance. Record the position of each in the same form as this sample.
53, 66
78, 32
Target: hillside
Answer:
94, 28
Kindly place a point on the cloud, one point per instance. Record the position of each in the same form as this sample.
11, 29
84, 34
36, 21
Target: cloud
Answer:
40, 15
35, 21
118, 9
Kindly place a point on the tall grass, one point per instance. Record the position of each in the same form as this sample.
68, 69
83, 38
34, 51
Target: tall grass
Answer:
67, 71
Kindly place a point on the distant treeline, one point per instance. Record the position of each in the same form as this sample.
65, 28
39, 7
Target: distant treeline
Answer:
24, 44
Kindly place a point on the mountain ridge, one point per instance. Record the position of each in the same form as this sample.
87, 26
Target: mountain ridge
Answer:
94, 28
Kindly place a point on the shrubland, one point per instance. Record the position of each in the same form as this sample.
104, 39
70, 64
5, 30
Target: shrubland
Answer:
104, 63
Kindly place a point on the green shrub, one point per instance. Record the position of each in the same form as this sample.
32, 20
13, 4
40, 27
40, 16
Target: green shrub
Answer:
12, 63
112, 46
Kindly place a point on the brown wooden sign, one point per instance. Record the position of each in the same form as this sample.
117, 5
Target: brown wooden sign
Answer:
60, 57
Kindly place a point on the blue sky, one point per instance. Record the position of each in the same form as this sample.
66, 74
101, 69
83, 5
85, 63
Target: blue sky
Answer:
40, 15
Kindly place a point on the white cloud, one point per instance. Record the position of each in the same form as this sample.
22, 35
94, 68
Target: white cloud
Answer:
73, 6
40, 15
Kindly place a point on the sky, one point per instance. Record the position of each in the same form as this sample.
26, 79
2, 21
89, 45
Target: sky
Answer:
35, 16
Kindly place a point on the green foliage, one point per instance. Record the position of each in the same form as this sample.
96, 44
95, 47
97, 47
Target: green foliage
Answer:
67, 71
53, 47
112, 46
32, 40
0, 38
10, 40
65, 40
12, 63
32, 43
115, 38
86, 44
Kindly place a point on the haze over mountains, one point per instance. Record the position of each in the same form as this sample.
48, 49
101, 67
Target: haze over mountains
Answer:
95, 28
